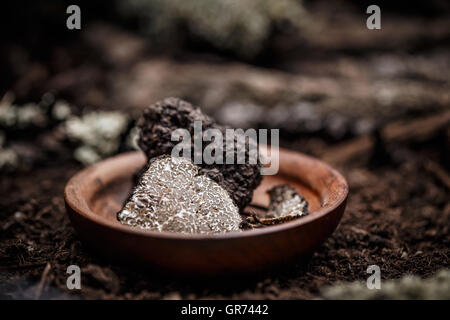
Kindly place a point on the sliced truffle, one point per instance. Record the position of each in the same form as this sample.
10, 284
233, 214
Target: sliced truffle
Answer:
285, 205
286, 202
173, 196
162, 118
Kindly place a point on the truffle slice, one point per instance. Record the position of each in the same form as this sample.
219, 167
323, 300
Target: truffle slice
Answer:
162, 118
286, 202
172, 196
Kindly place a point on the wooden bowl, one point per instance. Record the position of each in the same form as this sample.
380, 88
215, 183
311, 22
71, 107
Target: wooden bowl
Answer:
94, 195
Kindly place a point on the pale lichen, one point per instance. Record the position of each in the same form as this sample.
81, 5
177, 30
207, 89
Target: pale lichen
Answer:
8, 158
132, 139
243, 27
408, 287
97, 133
61, 110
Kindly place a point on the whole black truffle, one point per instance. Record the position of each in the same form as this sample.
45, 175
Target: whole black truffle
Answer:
162, 118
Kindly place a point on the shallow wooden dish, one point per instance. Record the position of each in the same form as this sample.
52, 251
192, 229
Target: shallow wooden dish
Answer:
94, 196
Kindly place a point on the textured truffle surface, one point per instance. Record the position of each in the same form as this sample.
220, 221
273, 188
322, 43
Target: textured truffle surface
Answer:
172, 196
285, 205
162, 118
286, 202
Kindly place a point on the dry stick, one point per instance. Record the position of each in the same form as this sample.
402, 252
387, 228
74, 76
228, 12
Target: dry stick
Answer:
23, 266
42, 282
438, 172
398, 131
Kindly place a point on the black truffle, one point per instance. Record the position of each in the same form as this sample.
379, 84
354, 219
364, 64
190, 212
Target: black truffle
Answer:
162, 118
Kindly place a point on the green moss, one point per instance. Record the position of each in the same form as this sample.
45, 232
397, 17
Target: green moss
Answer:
61, 110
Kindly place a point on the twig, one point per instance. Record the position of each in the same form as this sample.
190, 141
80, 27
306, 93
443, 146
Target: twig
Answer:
419, 129
22, 266
41, 284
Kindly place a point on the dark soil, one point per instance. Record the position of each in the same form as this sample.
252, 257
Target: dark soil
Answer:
397, 217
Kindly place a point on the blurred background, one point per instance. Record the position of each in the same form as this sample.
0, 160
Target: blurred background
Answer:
374, 103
